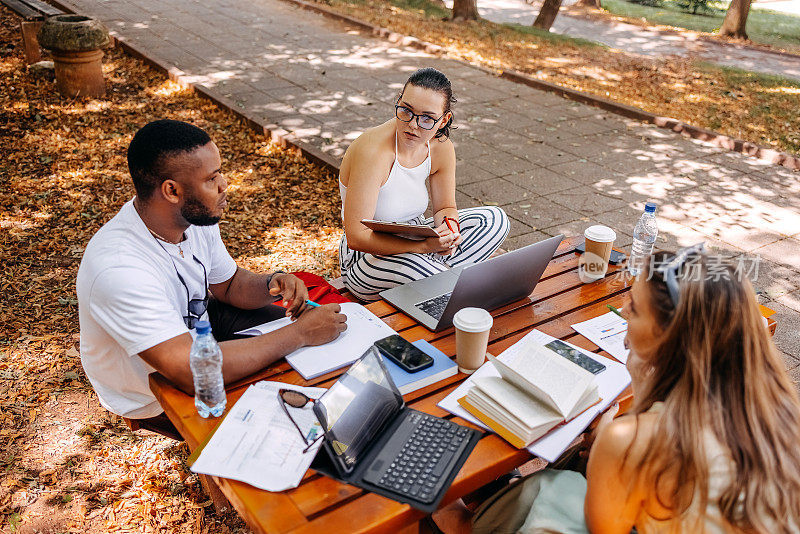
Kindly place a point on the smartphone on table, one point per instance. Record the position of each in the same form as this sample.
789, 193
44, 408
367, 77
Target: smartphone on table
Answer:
615, 259
576, 356
404, 354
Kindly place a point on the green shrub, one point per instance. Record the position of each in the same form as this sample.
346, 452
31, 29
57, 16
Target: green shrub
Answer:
654, 3
693, 6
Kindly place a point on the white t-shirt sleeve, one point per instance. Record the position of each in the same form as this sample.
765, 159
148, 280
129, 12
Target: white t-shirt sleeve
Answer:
133, 308
222, 265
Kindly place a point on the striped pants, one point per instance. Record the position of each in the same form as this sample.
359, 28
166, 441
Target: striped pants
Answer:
483, 230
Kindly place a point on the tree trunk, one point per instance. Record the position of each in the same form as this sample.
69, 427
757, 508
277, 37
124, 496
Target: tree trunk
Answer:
465, 9
547, 15
736, 20
589, 3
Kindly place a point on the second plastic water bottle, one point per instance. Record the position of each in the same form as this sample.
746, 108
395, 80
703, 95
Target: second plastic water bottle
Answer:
644, 237
205, 359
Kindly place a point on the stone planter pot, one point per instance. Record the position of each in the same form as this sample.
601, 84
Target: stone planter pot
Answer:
75, 42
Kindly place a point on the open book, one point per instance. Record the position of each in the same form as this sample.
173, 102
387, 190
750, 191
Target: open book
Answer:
537, 390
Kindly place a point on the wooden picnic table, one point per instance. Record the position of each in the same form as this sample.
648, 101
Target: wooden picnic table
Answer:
321, 504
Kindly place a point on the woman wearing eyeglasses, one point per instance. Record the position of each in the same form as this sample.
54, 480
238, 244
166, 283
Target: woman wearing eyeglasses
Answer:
383, 177
711, 442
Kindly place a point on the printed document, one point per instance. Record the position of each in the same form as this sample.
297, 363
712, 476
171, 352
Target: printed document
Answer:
610, 383
363, 329
256, 443
607, 332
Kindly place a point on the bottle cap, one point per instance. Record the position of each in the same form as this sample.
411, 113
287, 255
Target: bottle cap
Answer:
202, 327
650, 207
473, 320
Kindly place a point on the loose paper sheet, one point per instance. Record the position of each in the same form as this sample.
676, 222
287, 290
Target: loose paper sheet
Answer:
610, 383
257, 444
363, 329
607, 332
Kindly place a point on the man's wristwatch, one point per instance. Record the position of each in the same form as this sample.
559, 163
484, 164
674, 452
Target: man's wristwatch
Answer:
269, 280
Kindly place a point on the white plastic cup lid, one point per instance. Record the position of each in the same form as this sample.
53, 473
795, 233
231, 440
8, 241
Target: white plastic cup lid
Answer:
473, 320
600, 234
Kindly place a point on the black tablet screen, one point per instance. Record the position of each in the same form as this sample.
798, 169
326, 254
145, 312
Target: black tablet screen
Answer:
357, 407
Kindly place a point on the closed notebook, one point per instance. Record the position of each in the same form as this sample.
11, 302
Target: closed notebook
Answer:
536, 391
443, 367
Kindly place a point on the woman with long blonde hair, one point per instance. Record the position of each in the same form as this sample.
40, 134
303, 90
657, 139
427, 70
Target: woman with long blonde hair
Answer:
712, 442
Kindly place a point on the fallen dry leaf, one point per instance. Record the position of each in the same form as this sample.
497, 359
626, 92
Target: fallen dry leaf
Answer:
67, 464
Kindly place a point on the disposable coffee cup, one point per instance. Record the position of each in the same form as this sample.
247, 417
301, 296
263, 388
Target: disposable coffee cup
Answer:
472, 337
593, 264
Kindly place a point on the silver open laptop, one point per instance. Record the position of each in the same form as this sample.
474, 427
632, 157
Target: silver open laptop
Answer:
433, 301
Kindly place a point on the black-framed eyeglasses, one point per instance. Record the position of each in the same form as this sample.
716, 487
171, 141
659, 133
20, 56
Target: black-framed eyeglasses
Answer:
426, 122
296, 399
670, 270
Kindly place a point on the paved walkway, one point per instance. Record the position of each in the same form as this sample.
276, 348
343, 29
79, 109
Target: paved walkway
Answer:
791, 7
643, 41
553, 165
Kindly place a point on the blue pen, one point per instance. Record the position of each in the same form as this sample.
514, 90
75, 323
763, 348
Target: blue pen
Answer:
312, 303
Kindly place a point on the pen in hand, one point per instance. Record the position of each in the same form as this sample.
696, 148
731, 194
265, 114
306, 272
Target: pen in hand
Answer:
310, 303
615, 310
458, 231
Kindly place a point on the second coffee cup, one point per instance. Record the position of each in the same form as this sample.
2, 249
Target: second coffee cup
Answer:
593, 264
472, 337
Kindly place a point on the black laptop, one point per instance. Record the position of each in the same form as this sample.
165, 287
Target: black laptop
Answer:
374, 441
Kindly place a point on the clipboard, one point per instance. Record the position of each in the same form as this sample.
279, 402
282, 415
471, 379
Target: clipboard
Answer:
410, 231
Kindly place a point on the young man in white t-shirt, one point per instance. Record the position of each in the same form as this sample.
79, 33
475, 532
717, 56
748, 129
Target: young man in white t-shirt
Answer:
156, 268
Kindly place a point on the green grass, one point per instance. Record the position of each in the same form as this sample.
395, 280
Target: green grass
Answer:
433, 11
763, 26
430, 10
741, 78
765, 109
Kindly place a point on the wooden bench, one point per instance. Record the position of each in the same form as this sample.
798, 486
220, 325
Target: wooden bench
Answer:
32, 14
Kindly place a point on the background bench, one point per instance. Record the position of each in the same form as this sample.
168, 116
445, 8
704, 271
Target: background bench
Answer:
32, 13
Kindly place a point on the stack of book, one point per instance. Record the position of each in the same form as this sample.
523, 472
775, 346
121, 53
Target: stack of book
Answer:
536, 391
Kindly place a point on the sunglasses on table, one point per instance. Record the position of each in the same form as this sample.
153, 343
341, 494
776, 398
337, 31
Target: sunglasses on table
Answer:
426, 122
296, 399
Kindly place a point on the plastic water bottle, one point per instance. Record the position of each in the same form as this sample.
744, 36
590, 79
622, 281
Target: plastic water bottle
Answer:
205, 359
644, 237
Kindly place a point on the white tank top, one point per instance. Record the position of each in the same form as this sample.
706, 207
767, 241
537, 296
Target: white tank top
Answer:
404, 196
721, 470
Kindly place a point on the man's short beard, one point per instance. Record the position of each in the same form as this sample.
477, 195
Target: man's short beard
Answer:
197, 214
